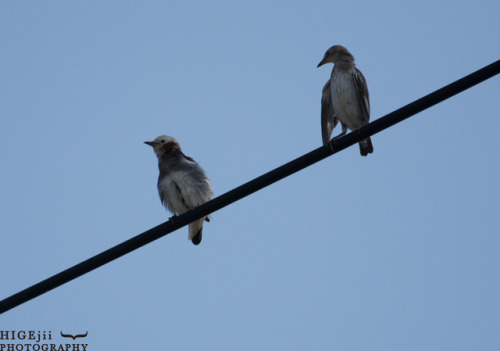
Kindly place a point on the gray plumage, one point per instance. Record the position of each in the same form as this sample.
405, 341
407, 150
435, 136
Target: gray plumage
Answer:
182, 183
345, 97
328, 117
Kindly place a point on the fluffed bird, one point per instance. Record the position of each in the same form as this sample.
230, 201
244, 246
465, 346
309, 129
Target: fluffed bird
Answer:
345, 97
182, 183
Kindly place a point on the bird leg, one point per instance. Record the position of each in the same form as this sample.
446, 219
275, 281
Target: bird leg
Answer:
344, 131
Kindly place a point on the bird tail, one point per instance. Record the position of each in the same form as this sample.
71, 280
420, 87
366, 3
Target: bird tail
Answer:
365, 147
195, 231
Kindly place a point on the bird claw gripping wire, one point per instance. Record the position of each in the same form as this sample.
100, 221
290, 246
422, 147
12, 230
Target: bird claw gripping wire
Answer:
172, 219
330, 145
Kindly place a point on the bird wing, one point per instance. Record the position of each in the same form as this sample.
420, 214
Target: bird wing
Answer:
328, 117
362, 93
192, 185
187, 158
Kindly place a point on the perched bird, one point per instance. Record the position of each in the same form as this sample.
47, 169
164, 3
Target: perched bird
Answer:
182, 183
345, 97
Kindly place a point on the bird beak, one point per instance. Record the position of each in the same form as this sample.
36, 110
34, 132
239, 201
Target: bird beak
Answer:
150, 143
321, 63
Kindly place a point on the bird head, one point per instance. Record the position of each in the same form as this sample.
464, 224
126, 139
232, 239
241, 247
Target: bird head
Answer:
164, 144
336, 54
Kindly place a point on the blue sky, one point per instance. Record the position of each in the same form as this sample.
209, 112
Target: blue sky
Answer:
395, 251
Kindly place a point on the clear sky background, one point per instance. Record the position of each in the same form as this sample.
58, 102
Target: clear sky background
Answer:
395, 251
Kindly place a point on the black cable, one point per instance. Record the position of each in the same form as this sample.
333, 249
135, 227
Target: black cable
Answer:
251, 186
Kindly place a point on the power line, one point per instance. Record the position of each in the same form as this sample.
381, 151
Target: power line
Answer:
251, 186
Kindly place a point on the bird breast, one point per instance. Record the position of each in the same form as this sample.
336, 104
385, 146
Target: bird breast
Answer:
180, 192
345, 99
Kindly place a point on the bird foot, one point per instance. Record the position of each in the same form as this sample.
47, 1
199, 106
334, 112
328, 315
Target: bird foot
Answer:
172, 219
338, 136
330, 145
332, 140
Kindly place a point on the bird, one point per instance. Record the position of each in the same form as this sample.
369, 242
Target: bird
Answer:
344, 98
182, 183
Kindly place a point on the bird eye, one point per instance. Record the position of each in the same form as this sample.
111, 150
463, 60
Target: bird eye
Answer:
163, 141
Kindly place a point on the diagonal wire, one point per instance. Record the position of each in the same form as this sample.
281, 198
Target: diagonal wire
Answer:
251, 186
